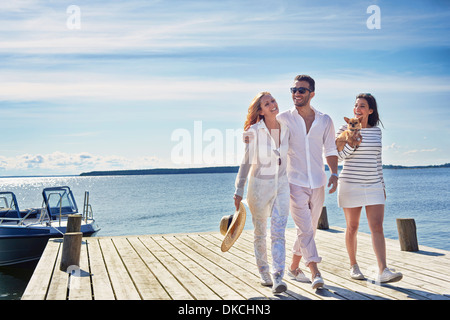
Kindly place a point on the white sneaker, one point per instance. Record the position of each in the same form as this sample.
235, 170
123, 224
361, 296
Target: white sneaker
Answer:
279, 286
317, 282
355, 273
298, 275
389, 275
266, 280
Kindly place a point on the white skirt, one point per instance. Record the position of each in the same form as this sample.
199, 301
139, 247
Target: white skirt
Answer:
351, 195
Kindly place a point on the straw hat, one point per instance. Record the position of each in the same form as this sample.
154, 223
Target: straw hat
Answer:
231, 227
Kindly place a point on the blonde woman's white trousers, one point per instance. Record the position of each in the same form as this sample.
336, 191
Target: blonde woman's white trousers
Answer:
277, 211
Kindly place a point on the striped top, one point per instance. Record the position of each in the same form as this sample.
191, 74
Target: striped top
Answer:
363, 164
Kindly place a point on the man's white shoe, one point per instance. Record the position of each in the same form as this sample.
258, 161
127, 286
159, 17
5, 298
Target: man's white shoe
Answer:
298, 275
317, 282
266, 280
389, 275
355, 273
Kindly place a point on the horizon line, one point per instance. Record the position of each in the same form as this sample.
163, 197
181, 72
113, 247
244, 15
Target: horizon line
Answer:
198, 169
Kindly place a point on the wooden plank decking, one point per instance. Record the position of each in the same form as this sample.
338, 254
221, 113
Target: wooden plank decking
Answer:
192, 267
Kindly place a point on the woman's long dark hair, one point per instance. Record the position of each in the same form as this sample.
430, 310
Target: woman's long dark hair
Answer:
374, 118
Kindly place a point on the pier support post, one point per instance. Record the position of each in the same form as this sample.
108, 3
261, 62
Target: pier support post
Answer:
73, 223
323, 220
407, 234
71, 250
72, 243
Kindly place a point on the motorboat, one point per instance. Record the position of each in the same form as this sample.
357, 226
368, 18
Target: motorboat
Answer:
25, 233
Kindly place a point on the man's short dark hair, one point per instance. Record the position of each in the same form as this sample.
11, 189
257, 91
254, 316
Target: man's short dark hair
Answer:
303, 77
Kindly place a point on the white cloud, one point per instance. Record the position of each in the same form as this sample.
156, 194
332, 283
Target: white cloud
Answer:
360, 81
164, 26
420, 151
43, 85
67, 163
392, 146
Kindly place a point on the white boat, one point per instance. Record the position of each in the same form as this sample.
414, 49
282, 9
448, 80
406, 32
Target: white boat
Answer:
25, 233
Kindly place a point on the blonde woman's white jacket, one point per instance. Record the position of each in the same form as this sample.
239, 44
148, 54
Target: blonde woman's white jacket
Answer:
265, 167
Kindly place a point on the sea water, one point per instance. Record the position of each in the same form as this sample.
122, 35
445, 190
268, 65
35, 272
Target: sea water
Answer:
155, 204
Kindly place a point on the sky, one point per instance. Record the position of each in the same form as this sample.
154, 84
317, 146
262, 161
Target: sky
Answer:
116, 85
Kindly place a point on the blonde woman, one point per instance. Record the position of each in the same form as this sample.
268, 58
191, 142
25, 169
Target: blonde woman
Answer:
264, 165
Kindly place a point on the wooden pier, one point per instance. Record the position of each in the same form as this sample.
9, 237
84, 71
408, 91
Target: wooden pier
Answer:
192, 267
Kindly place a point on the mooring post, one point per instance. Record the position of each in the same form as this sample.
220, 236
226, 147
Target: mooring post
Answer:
407, 234
72, 243
74, 223
323, 220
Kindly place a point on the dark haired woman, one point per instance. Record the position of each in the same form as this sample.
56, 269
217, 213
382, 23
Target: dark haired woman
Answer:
361, 184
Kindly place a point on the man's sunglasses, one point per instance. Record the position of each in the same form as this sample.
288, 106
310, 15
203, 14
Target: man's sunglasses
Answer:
300, 90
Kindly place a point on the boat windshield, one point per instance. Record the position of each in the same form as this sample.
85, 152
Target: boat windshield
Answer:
8, 205
59, 199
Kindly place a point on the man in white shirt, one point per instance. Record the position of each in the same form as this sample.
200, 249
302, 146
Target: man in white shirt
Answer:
312, 136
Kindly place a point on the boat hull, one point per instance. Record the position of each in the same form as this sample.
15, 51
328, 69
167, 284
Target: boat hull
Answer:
20, 246
17, 249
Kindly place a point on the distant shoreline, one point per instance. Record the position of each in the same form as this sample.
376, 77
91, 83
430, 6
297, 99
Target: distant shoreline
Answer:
156, 171
230, 169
